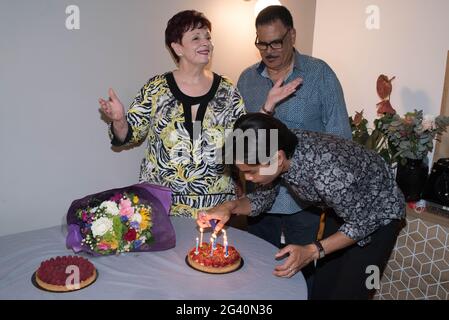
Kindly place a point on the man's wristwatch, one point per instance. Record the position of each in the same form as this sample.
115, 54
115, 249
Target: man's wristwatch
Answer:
320, 248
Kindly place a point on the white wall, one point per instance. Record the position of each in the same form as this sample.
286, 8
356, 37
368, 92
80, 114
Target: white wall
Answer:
411, 44
53, 145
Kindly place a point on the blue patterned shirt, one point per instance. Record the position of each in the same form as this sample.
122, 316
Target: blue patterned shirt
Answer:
317, 105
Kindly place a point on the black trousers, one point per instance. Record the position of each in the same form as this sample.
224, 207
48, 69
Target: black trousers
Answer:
342, 275
298, 228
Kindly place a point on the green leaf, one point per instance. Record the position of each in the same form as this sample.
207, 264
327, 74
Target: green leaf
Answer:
108, 236
117, 227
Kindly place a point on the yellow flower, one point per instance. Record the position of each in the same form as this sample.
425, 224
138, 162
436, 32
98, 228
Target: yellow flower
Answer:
114, 245
146, 218
135, 199
144, 224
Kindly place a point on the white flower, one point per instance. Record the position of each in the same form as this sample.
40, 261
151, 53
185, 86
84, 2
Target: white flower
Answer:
136, 218
110, 207
101, 226
428, 122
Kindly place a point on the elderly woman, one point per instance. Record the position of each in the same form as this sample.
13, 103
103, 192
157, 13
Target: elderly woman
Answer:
183, 114
325, 170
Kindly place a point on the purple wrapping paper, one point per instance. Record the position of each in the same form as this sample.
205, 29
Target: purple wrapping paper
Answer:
158, 197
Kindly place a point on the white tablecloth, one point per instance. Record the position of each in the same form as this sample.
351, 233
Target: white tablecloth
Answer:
149, 275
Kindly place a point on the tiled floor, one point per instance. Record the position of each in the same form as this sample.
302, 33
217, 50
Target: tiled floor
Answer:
419, 265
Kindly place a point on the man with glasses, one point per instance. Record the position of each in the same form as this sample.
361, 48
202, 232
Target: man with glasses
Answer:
317, 105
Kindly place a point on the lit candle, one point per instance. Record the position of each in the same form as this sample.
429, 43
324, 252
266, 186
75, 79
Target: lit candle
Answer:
226, 249
197, 243
225, 237
214, 243
201, 239
211, 246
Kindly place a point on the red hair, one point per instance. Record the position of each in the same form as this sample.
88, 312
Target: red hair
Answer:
182, 22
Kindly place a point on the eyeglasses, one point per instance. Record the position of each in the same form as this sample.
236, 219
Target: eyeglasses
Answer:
275, 44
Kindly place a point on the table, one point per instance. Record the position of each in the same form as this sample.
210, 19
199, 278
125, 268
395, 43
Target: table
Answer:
160, 275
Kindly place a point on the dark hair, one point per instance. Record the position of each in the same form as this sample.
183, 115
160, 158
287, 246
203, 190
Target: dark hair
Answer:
182, 22
261, 125
273, 13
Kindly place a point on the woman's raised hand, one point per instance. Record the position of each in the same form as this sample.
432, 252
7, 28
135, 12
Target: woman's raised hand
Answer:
112, 108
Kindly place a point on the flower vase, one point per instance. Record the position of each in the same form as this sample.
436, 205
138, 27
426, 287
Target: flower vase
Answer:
411, 178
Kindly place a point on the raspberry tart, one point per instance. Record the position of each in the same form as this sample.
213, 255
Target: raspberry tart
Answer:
53, 273
218, 262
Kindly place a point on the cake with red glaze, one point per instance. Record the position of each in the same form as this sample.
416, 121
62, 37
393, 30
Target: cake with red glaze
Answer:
53, 274
216, 263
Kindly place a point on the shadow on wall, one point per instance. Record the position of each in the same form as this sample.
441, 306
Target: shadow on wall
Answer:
412, 100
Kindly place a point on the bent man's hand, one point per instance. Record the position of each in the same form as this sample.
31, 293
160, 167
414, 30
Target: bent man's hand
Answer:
298, 258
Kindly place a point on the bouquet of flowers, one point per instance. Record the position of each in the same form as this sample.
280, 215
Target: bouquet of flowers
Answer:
133, 218
116, 225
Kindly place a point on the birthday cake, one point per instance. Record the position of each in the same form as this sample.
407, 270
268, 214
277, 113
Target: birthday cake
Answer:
214, 261
53, 274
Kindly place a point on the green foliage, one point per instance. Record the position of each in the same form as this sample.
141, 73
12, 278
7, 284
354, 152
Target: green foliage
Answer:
398, 138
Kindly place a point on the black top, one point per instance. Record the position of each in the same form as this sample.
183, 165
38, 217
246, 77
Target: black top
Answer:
188, 101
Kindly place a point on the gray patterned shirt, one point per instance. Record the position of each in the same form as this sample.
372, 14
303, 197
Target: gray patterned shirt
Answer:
340, 174
318, 105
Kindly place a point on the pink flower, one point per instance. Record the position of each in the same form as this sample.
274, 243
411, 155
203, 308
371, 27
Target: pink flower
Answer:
103, 246
428, 122
125, 208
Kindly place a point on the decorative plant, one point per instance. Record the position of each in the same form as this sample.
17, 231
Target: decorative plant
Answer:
394, 137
